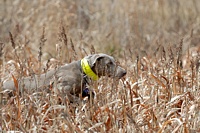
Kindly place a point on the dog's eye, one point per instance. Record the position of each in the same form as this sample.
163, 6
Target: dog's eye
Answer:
109, 63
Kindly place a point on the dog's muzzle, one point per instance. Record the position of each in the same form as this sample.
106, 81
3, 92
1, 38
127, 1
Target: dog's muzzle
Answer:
120, 72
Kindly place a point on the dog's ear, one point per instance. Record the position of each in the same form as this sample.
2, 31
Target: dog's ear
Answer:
95, 58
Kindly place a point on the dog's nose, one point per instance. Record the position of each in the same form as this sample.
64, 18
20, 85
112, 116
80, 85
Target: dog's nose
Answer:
124, 73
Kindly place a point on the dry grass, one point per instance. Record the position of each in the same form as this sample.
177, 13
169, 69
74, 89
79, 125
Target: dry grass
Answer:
156, 41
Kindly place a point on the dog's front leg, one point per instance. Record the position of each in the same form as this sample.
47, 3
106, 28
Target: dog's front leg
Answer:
73, 98
66, 92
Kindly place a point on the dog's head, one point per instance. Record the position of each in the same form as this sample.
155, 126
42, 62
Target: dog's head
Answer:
105, 65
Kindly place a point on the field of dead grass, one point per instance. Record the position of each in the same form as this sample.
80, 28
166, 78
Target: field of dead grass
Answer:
157, 42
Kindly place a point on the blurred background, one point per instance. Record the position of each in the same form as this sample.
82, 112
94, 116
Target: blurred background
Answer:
116, 27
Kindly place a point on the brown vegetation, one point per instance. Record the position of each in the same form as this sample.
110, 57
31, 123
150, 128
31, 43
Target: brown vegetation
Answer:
156, 41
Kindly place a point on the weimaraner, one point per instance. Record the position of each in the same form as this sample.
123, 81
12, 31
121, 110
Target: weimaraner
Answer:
72, 79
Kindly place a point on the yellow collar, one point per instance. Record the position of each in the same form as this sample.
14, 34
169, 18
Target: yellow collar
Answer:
87, 70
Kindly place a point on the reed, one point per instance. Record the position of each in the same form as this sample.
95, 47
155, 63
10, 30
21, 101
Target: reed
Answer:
156, 41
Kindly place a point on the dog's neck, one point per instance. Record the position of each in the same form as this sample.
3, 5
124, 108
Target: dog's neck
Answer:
88, 70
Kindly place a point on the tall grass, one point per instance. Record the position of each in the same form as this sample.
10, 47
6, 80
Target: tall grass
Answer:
156, 41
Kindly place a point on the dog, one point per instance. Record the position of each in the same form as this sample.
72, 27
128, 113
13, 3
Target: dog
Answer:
72, 79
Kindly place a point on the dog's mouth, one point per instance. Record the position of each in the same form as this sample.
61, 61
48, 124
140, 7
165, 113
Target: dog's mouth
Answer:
117, 76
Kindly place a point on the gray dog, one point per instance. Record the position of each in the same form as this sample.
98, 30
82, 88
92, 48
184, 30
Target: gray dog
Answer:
72, 79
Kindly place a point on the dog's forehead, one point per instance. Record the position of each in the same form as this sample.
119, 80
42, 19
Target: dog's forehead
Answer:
92, 58
109, 59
